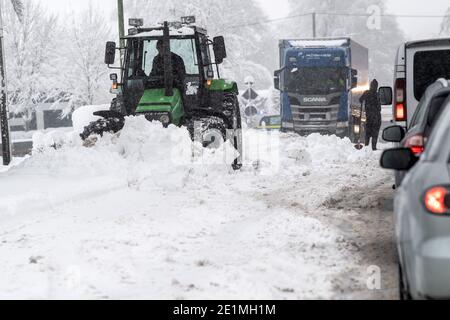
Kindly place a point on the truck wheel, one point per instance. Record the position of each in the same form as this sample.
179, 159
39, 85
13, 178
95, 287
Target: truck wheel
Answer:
99, 127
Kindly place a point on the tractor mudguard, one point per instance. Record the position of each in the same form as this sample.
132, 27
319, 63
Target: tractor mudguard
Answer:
223, 85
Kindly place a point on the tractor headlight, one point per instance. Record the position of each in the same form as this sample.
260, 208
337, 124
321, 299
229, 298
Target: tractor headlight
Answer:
165, 119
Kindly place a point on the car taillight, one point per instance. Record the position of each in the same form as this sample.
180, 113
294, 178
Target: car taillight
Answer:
416, 144
437, 200
400, 100
400, 112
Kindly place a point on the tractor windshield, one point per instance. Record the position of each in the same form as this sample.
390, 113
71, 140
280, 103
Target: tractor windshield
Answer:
144, 52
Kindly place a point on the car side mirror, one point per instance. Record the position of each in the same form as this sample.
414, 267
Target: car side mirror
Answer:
401, 159
220, 51
354, 78
394, 134
385, 94
110, 52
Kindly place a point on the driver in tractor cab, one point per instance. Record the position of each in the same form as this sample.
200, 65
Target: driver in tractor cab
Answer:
178, 67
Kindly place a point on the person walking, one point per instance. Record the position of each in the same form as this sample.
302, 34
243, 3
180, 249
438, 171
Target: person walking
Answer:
373, 114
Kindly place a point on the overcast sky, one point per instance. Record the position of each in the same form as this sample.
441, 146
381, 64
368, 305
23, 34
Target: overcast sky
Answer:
414, 28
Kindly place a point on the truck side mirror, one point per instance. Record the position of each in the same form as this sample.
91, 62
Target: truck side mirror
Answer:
110, 52
385, 94
354, 78
276, 79
220, 51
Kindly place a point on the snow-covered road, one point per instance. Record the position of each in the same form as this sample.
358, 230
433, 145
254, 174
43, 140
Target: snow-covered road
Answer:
135, 217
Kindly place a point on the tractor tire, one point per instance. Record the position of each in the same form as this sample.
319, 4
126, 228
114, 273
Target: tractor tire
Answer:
101, 126
231, 103
211, 132
118, 105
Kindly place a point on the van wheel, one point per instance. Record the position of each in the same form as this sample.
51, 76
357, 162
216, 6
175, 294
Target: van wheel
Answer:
402, 285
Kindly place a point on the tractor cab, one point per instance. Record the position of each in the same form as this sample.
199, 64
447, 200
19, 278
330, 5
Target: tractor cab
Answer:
168, 74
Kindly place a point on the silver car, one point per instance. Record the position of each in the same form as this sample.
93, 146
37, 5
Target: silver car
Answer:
422, 214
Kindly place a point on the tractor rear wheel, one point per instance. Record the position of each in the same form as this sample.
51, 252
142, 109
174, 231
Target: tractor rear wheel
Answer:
211, 132
231, 103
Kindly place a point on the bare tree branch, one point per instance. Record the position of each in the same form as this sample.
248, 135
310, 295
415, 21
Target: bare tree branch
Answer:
18, 8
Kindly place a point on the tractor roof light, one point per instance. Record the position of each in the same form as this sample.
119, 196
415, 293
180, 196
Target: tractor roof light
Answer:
175, 24
133, 31
134, 22
188, 20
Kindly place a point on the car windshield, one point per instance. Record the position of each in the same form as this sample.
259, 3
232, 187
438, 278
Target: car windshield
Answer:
312, 81
144, 52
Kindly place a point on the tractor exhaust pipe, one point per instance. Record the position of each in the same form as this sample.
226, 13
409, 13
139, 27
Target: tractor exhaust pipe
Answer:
167, 58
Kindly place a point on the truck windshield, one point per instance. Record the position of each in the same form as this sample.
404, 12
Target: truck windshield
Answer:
144, 52
313, 81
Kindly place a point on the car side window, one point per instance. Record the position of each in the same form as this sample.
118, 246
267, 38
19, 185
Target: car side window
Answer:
420, 111
435, 109
438, 139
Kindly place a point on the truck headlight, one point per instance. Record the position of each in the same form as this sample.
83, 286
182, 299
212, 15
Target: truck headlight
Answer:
165, 119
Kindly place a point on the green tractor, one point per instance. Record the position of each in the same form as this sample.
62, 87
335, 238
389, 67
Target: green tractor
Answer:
154, 86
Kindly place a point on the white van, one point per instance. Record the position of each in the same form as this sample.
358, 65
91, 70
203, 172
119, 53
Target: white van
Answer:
418, 65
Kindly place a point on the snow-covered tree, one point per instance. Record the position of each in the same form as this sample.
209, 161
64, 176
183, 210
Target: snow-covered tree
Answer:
358, 19
445, 26
251, 48
29, 43
18, 8
84, 80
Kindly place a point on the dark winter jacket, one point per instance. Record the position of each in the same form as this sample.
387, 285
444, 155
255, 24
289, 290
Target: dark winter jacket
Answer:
178, 69
373, 106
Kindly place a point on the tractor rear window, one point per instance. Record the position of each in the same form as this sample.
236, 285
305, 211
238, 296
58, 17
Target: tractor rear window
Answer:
428, 67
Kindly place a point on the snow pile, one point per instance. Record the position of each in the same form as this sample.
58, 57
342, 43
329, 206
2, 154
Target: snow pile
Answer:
277, 152
317, 149
85, 115
311, 170
14, 162
143, 151
56, 138
147, 213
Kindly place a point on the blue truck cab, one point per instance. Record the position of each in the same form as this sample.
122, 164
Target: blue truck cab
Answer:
321, 82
